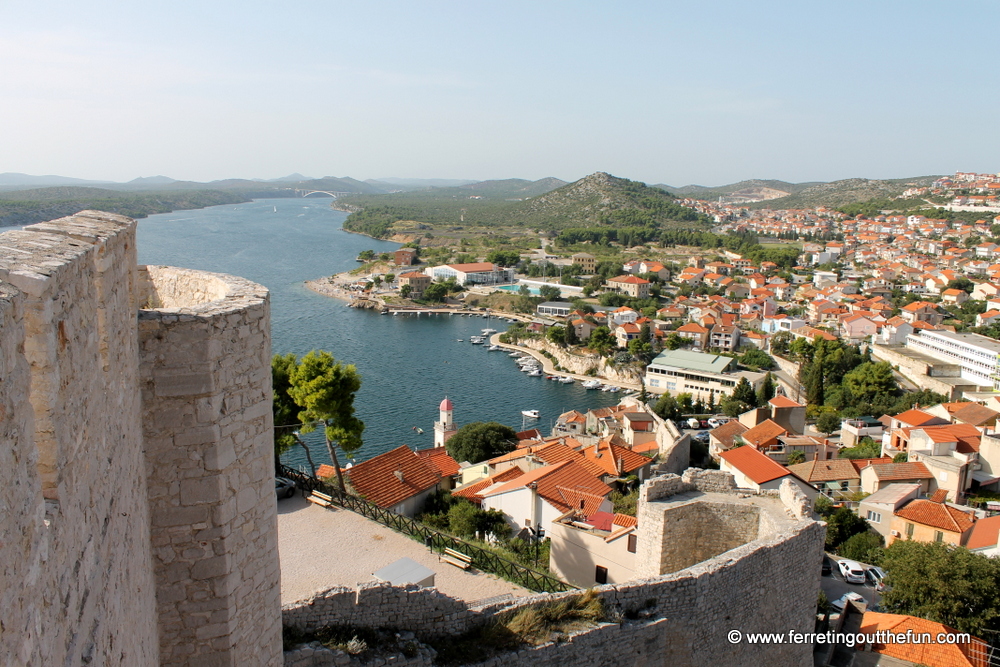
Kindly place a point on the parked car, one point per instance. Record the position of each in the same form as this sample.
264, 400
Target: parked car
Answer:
842, 601
827, 565
851, 571
284, 487
701, 437
876, 578
693, 423
716, 422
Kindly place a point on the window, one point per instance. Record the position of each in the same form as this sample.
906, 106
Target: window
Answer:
633, 542
601, 575
874, 517
527, 523
938, 536
909, 530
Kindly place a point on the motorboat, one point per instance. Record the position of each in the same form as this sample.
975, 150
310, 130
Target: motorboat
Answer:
487, 332
530, 413
493, 348
611, 388
460, 340
567, 379
515, 354
535, 372
591, 384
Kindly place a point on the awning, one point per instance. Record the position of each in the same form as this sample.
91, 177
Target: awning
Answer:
984, 478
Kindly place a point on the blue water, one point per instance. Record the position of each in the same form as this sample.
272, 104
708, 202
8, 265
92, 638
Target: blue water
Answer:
517, 288
407, 364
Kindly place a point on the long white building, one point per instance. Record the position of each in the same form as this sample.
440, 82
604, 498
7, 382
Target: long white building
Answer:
702, 375
977, 356
476, 273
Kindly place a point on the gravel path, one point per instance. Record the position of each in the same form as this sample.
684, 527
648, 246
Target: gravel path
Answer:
320, 547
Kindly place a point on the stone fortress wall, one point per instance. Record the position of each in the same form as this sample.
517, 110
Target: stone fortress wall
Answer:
136, 493
760, 573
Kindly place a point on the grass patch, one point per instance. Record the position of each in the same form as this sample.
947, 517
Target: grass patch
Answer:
530, 626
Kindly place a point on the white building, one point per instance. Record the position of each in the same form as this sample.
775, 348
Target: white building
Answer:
444, 427
476, 273
702, 375
976, 355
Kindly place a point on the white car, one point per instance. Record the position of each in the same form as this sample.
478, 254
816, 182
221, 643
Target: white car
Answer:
842, 601
851, 571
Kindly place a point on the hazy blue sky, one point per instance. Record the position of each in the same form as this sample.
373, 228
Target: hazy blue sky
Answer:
664, 92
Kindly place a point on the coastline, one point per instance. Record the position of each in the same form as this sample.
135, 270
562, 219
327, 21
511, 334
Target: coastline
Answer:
328, 287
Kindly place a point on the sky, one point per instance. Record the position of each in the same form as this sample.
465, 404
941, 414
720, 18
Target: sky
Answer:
710, 93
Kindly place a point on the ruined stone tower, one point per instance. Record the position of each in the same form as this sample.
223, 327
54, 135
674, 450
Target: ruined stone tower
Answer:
137, 503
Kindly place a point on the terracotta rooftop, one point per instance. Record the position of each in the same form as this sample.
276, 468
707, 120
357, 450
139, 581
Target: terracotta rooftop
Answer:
564, 485
440, 459
760, 468
390, 478
860, 464
985, 533
763, 432
784, 402
890, 472
975, 414
832, 470
725, 433
937, 515
471, 490
916, 417
969, 654
614, 459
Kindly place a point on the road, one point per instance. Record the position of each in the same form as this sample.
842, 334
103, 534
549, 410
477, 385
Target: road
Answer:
834, 586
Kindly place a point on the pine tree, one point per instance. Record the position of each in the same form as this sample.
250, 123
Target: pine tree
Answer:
766, 391
744, 392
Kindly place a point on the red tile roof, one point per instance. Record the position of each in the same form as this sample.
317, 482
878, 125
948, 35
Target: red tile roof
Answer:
916, 417
615, 459
763, 433
473, 267
564, 485
377, 480
936, 515
471, 490
634, 280
967, 654
832, 470
784, 402
760, 468
725, 433
985, 533
439, 458
893, 472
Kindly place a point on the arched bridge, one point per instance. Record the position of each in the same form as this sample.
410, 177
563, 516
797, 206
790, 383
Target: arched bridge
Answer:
306, 193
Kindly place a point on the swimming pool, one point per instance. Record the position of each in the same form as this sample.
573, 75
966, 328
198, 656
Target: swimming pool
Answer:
517, 288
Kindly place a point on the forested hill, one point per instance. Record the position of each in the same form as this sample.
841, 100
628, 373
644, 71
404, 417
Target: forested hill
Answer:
25, 207
599, 200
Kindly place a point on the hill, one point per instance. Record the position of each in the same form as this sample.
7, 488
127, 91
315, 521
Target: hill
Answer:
24, 207
747, 188
12, 180
844, 192
597, 200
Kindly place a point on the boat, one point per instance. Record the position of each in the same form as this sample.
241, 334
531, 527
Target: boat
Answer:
493, 348
611, 388
476, 341
530, 413
487, 332
591, 384
460, 340
567, 379
535, 372
551, 377
515, 354
419, 430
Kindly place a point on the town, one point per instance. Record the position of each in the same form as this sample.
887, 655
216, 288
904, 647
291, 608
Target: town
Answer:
861, 369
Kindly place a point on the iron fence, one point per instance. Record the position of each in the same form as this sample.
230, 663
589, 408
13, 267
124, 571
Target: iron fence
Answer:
482, 559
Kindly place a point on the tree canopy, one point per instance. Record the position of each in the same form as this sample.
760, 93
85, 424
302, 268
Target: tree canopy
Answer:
947, 584
480, 441
324, 391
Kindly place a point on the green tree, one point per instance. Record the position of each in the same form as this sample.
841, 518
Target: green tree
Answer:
666, 407
767, 390
405, 291
947, 584
571, 337
828, 422
731, 407
479, 441
324, 391
757, 359
863, 547
436, 292
389, 277
780, 343
744, 392
463, 519
871, 381
503, 257
601, 340
557, 335
285, 410
550, 293
841, 524
366, 255
866, 449
796, 456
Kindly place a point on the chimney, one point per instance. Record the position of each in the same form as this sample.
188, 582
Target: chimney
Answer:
399, 474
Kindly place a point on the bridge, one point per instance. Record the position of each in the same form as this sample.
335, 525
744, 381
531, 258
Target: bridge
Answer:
306, 193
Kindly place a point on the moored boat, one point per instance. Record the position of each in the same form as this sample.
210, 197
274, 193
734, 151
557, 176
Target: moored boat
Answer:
530, 413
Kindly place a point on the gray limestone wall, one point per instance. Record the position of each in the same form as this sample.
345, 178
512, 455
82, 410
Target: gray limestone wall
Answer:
76, 585
206, 417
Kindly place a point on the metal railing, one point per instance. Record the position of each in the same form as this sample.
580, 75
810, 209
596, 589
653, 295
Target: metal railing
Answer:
482, 559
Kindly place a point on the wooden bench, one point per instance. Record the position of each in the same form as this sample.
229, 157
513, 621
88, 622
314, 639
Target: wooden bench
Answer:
320, 499
457, 558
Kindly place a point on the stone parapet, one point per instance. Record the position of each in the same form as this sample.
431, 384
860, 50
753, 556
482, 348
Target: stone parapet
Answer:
206, 394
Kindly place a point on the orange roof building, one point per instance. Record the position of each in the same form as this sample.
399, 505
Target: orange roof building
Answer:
931, 521
398, 480
974, 653
757, 471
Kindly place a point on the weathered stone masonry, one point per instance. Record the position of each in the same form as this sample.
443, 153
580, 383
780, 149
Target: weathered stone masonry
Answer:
109, 428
